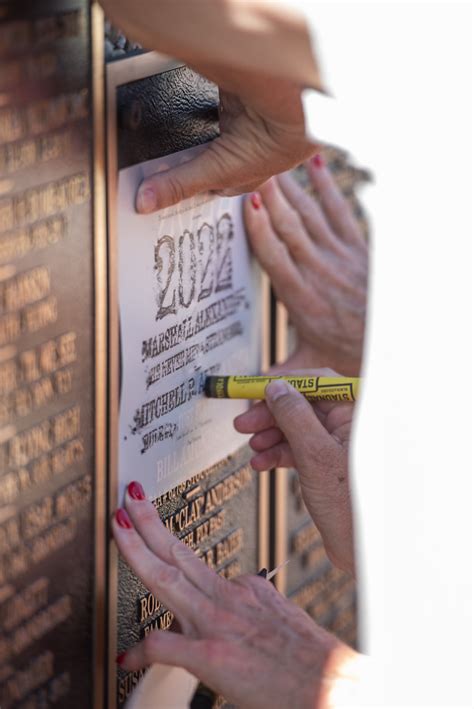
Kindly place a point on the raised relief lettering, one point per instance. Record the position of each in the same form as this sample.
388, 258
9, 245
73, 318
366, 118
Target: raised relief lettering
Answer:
42, 528
34, 442
228, 547
128, 683
24, 35
24, 604
40, 621
19, 243
227, 488
43, 116
231, 570
43, 65
43, 138
305, 538
29, 677
28, 153
41, 470
45, 201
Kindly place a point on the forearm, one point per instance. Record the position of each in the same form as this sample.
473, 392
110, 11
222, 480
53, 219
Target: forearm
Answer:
242, 34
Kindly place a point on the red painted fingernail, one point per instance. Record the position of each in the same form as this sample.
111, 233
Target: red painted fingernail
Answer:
136, 491
122, 519
256, 200
318, 160
120, 658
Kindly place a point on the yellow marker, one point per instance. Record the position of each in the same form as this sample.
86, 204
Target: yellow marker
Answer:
313, 388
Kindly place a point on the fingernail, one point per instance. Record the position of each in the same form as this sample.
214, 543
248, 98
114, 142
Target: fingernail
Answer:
122, 519
120, 658
136, 491
318, 160
263, 573
146, 200
277, 388
256, 200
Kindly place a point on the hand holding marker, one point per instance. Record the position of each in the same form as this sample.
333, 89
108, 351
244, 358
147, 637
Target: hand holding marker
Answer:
343, 389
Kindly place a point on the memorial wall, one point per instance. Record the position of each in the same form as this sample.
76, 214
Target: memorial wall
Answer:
47, 430
109, 323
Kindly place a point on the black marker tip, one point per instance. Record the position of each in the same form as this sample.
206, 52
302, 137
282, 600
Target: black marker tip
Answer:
208, 386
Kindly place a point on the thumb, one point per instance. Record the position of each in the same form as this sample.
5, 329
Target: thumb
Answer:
296, 418
201, 174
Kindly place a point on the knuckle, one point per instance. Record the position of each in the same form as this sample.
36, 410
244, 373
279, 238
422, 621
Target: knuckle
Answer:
134, 544
298, 248
243, 589
179, 550
322, 456
286, 226
149, 648
166, 575
290, 222
148, 515
175, 189
212, 651
290, 408
278, 255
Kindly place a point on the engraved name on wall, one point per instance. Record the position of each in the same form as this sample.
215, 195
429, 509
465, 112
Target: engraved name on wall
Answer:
46, 364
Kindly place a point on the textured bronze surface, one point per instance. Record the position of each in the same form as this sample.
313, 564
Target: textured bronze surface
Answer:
164, 114
46, 356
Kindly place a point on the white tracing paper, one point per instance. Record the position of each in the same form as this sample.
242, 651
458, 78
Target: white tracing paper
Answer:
189, 303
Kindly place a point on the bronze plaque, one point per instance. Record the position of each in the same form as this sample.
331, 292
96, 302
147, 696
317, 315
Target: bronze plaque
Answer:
157, 108
46, 355
68, 605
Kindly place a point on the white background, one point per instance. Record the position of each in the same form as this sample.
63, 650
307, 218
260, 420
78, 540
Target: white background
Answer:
402, 73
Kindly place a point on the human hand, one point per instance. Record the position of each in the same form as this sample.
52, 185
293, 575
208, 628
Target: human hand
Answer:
260, 55
262, 133
289, 431
317, 259
241, 638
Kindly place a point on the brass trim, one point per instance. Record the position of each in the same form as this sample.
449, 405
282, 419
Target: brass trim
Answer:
100, 346
264, 477
281, 474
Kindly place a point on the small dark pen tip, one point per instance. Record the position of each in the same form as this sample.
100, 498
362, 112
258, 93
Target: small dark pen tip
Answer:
263, 573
